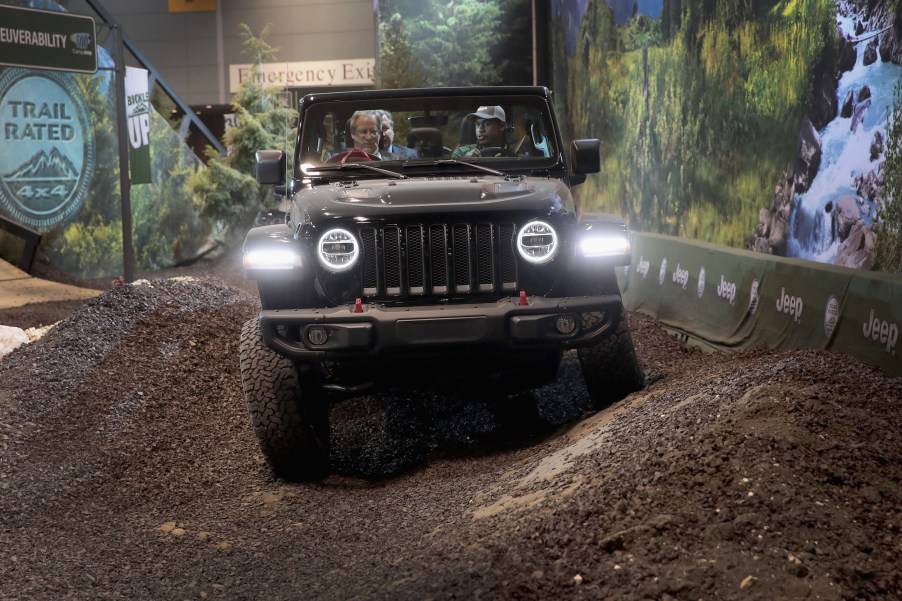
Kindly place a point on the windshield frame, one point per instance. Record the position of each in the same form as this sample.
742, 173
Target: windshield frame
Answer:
529, 115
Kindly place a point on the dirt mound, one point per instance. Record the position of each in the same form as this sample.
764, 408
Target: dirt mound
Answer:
128, 470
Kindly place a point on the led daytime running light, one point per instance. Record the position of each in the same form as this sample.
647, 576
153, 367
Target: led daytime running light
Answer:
338, 250
537, 242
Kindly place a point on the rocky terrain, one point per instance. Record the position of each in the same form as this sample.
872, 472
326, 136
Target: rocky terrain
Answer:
128, 470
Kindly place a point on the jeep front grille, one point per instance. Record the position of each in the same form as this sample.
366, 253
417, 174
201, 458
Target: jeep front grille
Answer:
456, 258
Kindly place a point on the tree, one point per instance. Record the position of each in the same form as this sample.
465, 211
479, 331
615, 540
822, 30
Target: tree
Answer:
889, 216
399, 66
225, 191
453, 39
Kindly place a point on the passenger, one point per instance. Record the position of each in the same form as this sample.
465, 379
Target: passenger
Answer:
491, 127
390, 150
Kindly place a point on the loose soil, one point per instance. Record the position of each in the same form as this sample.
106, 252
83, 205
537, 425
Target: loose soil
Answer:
128, 470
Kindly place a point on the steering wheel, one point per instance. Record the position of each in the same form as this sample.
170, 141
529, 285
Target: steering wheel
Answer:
355, 154
493, 151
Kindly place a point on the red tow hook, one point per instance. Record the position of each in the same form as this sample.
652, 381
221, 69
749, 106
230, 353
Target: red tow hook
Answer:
358, 306
523, 298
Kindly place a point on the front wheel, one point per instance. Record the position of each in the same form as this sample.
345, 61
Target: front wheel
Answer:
610, 368
289, 414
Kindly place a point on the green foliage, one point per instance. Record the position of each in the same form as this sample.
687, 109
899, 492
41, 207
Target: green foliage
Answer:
166, 228
698, 112
888, 226
513, 54
90, 248
256, 47
225, 191
454, 40
399, 66
102, 200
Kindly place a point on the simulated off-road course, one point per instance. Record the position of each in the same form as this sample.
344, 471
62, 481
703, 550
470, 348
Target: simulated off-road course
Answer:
128, 470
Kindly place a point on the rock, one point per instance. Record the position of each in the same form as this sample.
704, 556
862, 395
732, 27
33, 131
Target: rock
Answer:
777, 238
808, 156
847, 56
858, 250
759, 245
769, 235
876, 146
825, 102
890, 46
870, 53
11, 338
845, 215
846, 111
869, 185
764, 221
858, 113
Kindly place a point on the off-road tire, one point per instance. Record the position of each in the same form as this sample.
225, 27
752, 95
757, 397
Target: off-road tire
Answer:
289, 415
610, 368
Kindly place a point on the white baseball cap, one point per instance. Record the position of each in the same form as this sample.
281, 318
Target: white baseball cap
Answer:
489, 112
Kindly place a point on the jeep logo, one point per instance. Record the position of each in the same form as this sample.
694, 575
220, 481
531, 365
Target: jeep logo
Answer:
662, 272
754, 297
681, 276
726, 290
884, 332
642, 267
701, 282
831, 315
47, 149
791, 305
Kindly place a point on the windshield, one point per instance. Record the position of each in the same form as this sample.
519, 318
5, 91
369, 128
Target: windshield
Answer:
507, 133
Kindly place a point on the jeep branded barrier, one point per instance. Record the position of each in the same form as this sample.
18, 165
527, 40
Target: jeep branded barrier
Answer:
732, 299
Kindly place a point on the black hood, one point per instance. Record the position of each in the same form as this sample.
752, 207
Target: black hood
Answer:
380, 198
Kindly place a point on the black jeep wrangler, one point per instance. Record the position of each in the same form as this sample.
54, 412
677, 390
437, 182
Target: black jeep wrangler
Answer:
417, 259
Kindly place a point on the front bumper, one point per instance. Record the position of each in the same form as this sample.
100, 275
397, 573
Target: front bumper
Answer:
370, 330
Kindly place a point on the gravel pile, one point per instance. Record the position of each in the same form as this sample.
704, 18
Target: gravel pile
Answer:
128, 470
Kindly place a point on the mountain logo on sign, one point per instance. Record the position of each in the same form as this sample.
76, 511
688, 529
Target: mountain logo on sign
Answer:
45, 167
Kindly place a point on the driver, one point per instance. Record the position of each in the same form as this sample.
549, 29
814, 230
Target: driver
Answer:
491, 125
366, 131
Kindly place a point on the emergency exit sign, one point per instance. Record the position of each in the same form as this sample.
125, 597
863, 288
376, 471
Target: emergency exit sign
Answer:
41, 39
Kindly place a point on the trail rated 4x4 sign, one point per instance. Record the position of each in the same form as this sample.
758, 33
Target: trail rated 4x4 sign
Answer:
47, 150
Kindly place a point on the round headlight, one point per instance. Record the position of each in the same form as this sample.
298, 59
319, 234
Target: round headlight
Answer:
338, 250
537, 242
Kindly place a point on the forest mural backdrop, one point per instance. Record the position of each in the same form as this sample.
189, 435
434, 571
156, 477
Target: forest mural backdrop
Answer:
763, 124
773, 125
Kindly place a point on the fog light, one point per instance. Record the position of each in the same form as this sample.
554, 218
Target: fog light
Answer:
317, 335
565, 324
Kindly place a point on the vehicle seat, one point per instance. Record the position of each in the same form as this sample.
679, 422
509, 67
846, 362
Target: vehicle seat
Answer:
467, 131
427, 141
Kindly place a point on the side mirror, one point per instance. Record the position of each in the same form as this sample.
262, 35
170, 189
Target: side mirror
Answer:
270, 168
585, 156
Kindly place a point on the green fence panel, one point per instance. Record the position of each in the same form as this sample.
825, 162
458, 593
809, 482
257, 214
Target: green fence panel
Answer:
731, 299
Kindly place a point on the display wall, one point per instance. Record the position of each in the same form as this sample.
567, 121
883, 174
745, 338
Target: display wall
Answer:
765, 125
59, 172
